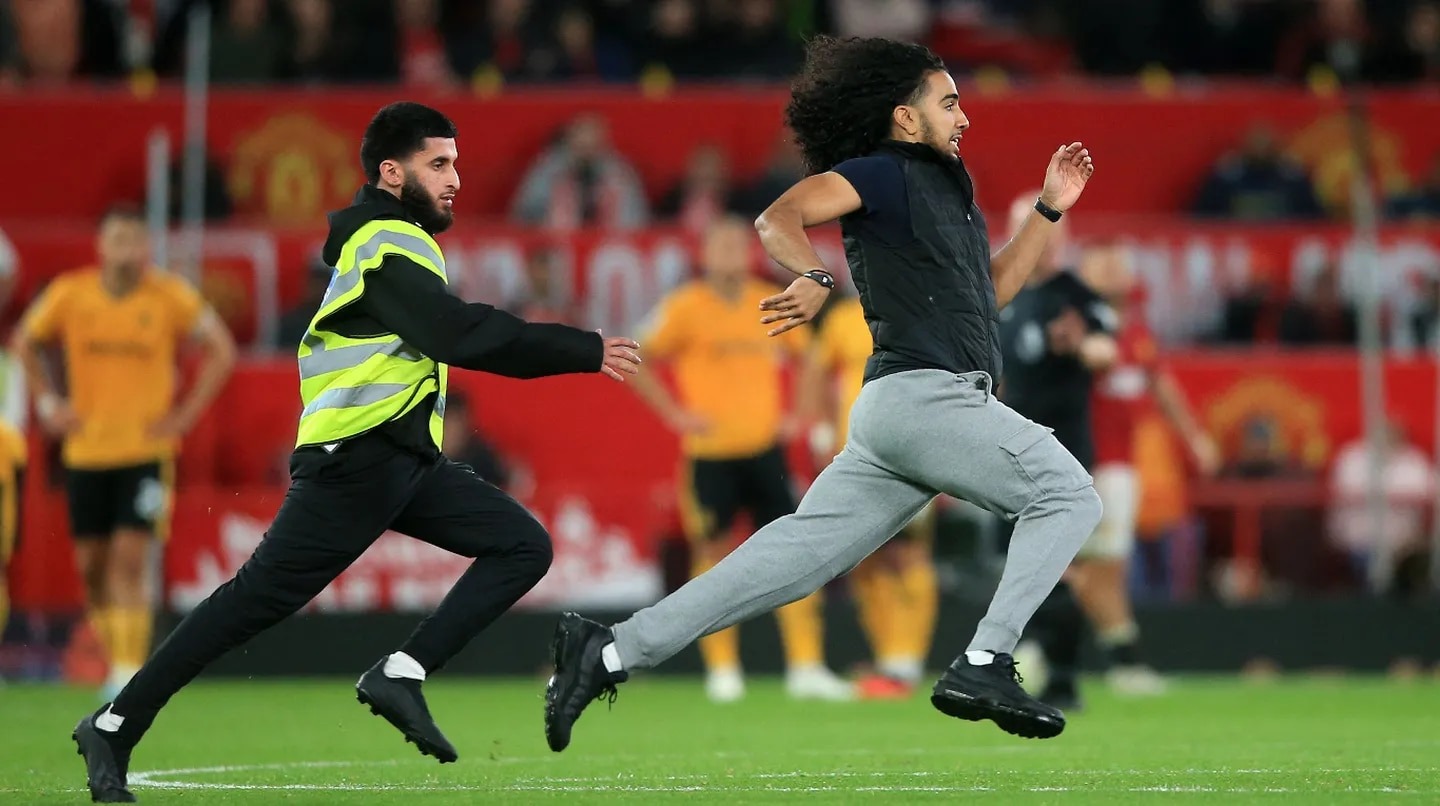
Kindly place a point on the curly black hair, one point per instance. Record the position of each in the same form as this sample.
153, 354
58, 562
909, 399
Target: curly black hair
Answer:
841, 102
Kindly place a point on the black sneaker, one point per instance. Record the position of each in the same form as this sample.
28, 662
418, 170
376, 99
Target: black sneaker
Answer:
580, 676
399, 700
107, 761
993, 692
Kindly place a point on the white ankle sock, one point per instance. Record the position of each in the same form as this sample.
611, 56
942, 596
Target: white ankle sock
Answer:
109, 721
906, 670
610, 656
980, 657
401, 665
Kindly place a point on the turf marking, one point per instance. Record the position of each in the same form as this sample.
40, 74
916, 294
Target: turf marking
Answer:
757, 782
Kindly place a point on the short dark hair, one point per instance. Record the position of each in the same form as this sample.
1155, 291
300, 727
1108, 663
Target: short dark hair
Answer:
123, 211
842, 100
398, 131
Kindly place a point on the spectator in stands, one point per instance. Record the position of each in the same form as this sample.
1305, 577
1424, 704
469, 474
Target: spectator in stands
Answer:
1408, 486
1260, 454
424, 61
893, 19
1323, 317
1317, 42
1260, 183
357, 46
247, 45
1423, 319
573, 57
543, 298
703, 194
1225, 36
504, 39
463, 442
1117, 37
1249, 311
1421, 203
1415, 56
52, 41
784, 170
674, 44
756, 43
581, 182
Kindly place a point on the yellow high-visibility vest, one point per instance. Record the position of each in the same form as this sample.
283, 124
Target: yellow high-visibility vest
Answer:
352, 385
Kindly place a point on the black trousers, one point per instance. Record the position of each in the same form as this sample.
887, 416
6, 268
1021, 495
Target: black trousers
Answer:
337, 506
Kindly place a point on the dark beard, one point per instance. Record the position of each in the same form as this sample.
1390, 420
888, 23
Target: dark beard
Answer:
424, 208
928, 135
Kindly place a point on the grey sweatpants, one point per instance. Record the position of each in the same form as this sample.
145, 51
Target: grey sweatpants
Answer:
912, 435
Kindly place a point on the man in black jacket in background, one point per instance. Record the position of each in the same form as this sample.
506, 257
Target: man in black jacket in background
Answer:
373, 371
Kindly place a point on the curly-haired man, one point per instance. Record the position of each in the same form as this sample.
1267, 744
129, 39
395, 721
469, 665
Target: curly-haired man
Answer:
879, 123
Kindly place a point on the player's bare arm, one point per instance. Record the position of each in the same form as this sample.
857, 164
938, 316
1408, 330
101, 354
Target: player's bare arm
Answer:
55, 413
1065, 178
218, 347
814, 200
675, 416
1177, 411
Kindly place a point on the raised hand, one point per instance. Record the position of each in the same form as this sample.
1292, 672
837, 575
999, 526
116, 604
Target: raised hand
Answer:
1070, 168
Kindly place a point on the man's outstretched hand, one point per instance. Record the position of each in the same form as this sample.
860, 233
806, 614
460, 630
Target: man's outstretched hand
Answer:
621, 358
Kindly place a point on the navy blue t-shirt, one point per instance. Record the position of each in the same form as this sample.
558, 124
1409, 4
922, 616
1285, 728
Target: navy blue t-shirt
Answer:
880, 181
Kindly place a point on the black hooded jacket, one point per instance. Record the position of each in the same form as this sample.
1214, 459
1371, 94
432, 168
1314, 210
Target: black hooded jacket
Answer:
410, 301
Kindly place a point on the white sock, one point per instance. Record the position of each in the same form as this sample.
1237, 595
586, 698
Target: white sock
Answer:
401, 665
109, 721
980, 657
906, 670
610, 656
1124, 633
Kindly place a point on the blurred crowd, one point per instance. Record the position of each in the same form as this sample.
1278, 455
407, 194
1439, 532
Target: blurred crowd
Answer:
456, 42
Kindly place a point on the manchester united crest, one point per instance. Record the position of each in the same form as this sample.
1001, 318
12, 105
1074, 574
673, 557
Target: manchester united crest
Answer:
292, 169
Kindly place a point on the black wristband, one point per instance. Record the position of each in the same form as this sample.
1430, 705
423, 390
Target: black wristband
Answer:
822, 277
1050, 213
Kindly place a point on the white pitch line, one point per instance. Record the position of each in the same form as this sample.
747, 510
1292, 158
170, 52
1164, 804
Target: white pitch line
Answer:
164, 779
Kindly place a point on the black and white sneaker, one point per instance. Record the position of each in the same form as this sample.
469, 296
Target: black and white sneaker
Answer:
580, 676
107, 761
993, 692
399, 700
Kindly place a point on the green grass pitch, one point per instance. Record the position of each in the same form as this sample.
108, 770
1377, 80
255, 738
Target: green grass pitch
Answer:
1289, 740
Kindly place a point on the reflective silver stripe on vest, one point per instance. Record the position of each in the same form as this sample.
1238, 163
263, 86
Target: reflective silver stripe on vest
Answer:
322, 360
343, 284
410, 243
440, 405
340, 285
345, 398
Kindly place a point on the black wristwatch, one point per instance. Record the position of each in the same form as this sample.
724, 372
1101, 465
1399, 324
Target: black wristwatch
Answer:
822, 277
1050, 213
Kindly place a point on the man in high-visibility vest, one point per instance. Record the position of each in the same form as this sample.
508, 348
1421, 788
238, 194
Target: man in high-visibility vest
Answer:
373, 368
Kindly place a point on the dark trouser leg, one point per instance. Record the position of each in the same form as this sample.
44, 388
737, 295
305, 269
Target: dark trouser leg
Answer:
458, 511
321, 528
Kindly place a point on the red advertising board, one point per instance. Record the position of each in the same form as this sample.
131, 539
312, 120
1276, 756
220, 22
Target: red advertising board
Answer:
287, 156
601, 473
